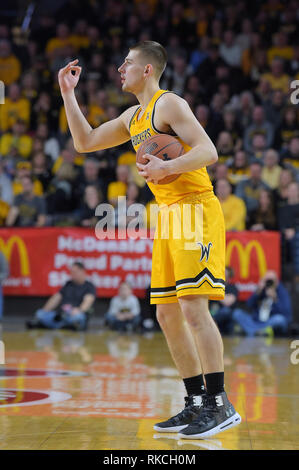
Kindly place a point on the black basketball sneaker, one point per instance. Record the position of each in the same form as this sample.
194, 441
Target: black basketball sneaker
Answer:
216, 414
184, 418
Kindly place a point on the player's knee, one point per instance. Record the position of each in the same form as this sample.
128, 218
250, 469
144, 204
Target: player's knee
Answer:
196, 314
168, 314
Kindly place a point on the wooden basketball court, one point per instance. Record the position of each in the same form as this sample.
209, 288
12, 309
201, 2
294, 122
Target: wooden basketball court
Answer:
102, 390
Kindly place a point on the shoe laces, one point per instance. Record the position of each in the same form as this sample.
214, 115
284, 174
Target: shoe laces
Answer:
188, 411
208, 409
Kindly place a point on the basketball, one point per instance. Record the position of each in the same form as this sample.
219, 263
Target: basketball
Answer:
163, 146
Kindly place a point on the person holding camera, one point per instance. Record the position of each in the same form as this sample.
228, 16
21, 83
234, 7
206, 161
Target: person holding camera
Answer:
270, 309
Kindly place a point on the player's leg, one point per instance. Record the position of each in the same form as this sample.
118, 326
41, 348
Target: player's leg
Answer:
199, 266
184, 353
217, 413
205, 331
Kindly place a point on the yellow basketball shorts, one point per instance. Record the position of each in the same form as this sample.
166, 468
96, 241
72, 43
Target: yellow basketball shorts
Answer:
189, 250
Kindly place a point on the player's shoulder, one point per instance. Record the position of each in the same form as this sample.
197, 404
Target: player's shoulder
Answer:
128, 114
170, 99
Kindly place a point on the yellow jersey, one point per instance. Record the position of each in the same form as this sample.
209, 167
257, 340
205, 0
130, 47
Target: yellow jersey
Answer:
196, 181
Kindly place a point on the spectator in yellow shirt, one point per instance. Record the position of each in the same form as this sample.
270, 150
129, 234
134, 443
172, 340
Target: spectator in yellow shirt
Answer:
234, 209
79, 37
277, 78
24, 169
119, 187
271, 170
280, 48
96, 110
17, 140
62, 39
14, 108
10, 66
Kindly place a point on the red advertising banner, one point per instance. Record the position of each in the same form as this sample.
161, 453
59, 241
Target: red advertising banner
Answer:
39, 259
251, 254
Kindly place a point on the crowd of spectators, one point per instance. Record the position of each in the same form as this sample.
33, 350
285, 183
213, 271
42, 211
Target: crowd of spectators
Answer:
233, 62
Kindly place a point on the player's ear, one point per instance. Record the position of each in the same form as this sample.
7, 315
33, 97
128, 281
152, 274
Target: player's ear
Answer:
148, 70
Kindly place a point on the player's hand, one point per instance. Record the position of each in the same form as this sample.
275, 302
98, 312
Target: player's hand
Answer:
66, 79
154, 170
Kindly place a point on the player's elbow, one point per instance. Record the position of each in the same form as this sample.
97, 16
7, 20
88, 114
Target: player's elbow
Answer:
212, 155
79, 147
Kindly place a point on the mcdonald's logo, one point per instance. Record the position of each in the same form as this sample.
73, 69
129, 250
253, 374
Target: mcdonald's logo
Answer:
244, 253
7, 246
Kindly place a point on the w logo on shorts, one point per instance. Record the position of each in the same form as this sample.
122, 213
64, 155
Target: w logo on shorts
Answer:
205, 250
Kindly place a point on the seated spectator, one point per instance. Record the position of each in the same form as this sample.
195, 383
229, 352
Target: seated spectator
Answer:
290, 155
97, 109
230, 50
263, 217
27, 209
211, 122
271, 169
15, 107
71, 306
238, 170
124, 310
25, 169
194, 88
90, 175
249, 190
175, 78
250, 53
30, 86
68, 155
222, 311
280, 194
277, 78
288, 128
270, 309
10, 66
60, 198
259, 126
5, 185
225, 147
119, 187
232, 126
40, 170
274, 109
79, 35
17, 139
4, 272
234, 209
43, 112
245, 106
58, 43
86, 213
280, 48
258, 148
289, 224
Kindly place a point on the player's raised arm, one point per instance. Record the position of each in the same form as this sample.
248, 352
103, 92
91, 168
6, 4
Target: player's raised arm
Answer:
87, 139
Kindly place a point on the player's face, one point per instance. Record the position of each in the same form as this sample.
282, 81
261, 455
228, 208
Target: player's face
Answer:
132, 72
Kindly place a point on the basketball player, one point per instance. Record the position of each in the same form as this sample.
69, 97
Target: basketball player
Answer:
183, 280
